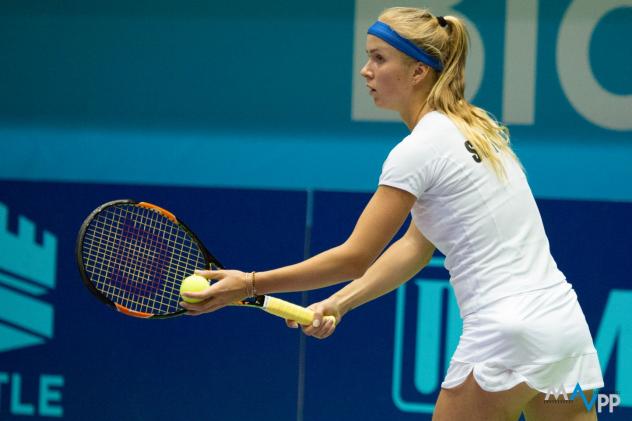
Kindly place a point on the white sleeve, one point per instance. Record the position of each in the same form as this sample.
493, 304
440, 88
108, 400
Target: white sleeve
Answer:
407, 167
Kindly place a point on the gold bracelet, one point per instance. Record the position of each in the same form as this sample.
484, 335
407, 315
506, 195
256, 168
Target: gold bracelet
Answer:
248, 282
252, 279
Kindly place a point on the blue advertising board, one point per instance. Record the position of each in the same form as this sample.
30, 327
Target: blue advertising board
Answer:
64, 354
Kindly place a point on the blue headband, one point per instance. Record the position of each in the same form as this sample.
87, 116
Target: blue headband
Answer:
385, 32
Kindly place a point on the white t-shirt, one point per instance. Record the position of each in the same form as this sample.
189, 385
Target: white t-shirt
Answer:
490, 230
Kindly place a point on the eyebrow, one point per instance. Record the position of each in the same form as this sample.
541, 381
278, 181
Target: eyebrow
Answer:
373, 50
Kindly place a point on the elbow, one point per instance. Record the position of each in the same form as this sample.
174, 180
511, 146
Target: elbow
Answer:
426, 259
426, 256
357, 269
421, 253
355, 262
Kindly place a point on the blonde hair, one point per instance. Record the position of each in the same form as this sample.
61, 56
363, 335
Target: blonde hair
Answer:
449, 44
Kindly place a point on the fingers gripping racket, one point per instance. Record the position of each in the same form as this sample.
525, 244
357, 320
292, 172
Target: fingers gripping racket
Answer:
133, 256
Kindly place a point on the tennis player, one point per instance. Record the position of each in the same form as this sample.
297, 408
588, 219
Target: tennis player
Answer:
523, 329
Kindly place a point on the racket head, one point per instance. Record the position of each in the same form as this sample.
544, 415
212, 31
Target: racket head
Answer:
134, 255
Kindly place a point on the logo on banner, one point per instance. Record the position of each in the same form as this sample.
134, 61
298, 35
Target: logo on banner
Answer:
427, 331
517, 86
27, 272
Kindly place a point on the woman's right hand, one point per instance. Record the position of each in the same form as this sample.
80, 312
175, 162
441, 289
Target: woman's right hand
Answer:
321, 327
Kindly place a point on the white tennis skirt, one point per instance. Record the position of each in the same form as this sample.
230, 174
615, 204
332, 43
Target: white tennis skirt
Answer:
539, 337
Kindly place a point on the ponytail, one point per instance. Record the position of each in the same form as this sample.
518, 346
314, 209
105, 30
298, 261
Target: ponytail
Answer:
446, 38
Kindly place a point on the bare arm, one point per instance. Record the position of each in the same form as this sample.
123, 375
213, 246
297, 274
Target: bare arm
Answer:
381, 219
398, 264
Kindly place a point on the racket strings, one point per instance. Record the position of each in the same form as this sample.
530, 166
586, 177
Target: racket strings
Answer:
138, 270
137, 258
150, 263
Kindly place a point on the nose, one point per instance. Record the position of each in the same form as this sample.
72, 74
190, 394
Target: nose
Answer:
365, 72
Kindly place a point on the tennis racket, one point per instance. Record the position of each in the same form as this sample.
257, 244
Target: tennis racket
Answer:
133, 257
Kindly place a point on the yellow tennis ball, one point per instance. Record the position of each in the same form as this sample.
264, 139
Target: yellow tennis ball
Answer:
193, 283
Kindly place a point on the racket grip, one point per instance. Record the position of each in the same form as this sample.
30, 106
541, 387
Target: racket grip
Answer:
290, 311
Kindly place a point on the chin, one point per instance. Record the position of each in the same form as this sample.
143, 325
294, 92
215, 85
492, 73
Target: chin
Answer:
381, 104
377, 102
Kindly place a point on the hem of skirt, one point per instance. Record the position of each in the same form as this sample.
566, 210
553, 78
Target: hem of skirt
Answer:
521, 379
480, 384
505, 387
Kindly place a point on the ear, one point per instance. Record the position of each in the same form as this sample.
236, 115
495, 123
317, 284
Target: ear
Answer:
420, 73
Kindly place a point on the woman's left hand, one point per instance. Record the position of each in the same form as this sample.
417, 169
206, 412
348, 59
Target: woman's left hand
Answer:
231, 286
324, 327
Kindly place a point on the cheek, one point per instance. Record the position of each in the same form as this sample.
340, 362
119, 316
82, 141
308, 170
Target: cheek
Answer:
388, 82
392, 81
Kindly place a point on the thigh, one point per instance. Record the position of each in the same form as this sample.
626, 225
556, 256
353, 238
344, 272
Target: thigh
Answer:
469, 402
537, 409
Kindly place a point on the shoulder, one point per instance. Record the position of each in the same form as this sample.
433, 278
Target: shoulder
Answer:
429, 139
435, 128
423, 158
412, 151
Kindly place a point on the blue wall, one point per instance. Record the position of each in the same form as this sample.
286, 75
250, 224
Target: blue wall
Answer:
269, 86
250, 112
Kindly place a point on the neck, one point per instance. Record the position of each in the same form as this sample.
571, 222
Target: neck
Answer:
414, 113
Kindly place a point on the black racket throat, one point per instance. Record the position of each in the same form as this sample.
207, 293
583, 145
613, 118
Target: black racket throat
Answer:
257, 301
